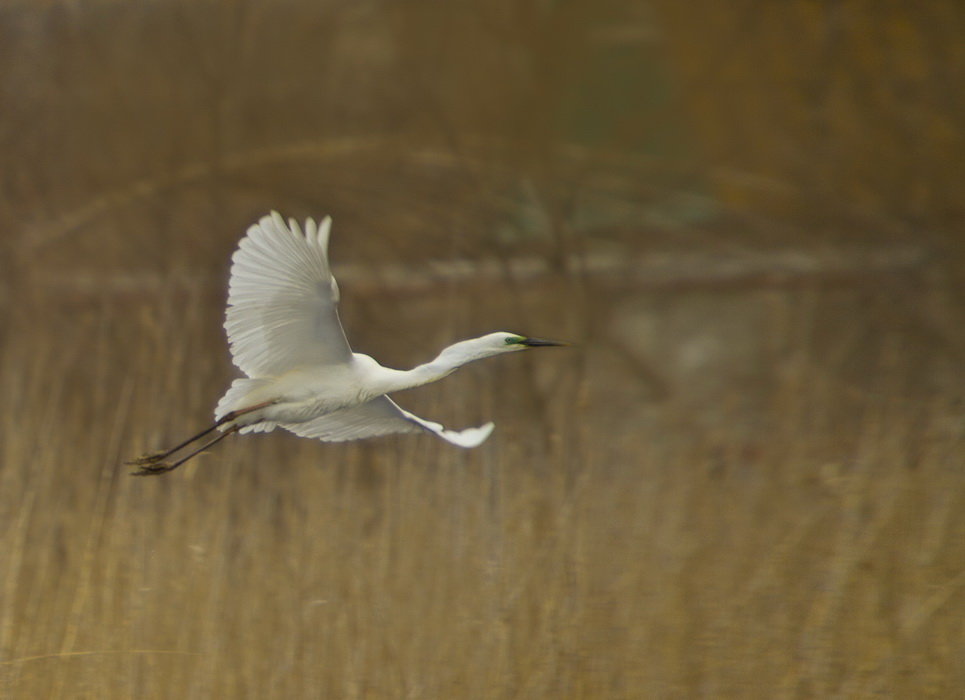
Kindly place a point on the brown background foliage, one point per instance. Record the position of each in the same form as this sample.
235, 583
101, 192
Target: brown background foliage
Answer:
744, 480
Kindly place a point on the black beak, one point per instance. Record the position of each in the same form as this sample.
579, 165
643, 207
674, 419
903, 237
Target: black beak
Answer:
540, 343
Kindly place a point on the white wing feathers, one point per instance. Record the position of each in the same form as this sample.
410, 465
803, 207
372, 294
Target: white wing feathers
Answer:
381, 416
282, 300
283, 314
470, 437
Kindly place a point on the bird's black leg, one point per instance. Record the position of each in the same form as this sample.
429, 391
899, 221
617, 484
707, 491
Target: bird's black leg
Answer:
158, 467
158, 456
146, 463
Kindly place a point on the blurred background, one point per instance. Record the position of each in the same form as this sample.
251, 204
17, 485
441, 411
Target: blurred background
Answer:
745, 479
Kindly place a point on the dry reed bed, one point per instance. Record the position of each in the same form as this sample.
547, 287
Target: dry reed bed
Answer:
561, 560
601, 544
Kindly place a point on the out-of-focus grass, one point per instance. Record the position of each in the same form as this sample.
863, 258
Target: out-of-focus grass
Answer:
745, 490
563, 559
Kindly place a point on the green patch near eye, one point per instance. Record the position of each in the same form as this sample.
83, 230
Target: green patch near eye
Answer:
515, 340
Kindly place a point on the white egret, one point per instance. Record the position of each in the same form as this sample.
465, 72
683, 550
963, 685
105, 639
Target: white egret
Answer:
285, 335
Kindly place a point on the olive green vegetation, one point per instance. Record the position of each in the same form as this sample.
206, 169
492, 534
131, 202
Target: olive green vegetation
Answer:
739, 482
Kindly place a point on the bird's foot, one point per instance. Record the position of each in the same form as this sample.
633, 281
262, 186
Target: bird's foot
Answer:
150, 458
152, 468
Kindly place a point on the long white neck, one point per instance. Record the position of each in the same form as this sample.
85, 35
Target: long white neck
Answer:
445, 363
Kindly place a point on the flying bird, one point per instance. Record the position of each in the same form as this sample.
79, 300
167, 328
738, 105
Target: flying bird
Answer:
301, 375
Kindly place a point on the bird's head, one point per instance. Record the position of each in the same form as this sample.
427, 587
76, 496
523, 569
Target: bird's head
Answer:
486, 346
489, 345
511, 342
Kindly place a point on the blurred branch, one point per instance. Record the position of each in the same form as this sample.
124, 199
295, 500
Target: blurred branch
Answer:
667, 271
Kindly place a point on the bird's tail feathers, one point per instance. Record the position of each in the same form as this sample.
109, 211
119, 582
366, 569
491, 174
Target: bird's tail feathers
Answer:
241, 394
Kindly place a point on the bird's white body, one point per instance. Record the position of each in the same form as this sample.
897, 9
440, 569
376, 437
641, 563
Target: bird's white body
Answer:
303, 394
285, 335
296, 396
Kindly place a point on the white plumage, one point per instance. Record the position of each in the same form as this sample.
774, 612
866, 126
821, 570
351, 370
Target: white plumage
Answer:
285, 335
282, 300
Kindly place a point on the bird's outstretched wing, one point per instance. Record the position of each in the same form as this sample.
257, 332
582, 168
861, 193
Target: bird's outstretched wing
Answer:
381, 416
282, 300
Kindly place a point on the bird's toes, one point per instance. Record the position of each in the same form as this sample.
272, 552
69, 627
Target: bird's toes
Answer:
149, 458
151, 468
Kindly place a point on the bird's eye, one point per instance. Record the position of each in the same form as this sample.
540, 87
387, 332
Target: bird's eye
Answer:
514, 340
